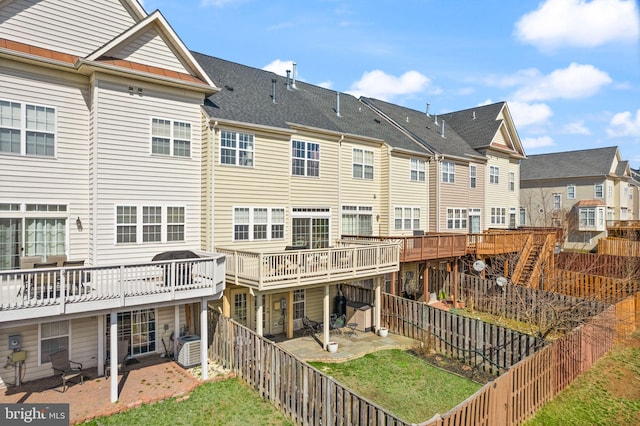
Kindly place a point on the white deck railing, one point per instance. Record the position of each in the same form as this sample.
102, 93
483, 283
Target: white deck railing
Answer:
350, 260
78, 289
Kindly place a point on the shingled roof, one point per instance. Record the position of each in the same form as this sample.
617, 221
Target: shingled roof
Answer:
568, 164
478, 126
423, 128
246, 96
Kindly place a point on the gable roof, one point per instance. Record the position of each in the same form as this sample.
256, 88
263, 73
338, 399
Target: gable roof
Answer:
480, 127
246, 96
425, 130
569, 164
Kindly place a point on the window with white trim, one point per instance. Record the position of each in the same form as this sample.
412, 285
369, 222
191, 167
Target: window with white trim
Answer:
170, 137
145, 224
448, 172
175, 223
417, 170
236, 148
512, 182
598, 190
494, 174
298, 304
258, 223
456, 218
54, 336
523, 216
498, 215
609, 191
557, 201
571, 192
305, 158
27, 129
407, 218
357, 220
473, 176
362, 163
587, 216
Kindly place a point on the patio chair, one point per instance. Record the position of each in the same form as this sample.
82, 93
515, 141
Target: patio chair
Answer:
59, 259
75, 278
27, 262
44, 283
62, 365
310, 326
123, 356
337, 322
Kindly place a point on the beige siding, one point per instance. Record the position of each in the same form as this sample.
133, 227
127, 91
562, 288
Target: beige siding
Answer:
29, 179
150, 48
459, 194
407, 193
77, 27
499, 195
129, 174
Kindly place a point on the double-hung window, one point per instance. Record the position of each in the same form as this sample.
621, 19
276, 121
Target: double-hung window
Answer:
599, 190
27, 129
571, 192
448, 172
175, 223
170, 137
236, 148
126, 224
258, 223
588, 217
305, 158
54, 336
473, 176
456, 218
151, 224
498, 215
557, 201
148, 224
512, 182
407, 218
357, 220
362, 164
494, 174
417, 170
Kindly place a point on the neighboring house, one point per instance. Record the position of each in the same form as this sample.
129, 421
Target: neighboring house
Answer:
490, 130
100, 161
579, 191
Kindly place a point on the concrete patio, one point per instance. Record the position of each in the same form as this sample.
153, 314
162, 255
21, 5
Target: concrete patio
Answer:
350, 346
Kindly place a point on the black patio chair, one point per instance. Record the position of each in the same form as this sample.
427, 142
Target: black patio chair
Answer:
311, 326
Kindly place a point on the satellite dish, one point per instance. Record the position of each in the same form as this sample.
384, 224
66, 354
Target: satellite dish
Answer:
479, 265
501, 281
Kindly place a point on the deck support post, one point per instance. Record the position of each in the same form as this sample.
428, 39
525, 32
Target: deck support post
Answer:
204, 340
325, 318
259, 313
113, 351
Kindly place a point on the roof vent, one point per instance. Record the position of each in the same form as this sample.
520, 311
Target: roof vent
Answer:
288, 79
293, 75
273, 89
229, 88
435, 119
427, 110
407, 118
474, 115
376, 120
338, 104
442, 129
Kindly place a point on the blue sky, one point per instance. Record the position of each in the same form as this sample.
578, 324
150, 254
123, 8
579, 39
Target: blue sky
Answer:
569, 69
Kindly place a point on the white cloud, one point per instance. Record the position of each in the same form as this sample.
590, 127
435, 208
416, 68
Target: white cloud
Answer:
624, 124
525, 114
219, 3
520, 78
580, 23
534, 143
279, 67
576, 128
326, 84
575, 81
378, 84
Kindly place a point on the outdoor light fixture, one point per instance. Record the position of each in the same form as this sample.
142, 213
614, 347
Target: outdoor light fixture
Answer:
79, 224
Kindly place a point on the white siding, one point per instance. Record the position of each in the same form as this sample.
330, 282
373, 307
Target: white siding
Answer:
71, 26
149, 48
128, 174
59, 180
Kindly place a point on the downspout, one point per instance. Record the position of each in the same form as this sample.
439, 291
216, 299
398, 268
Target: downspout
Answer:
340, 186
94, 161
212, 159
438, 159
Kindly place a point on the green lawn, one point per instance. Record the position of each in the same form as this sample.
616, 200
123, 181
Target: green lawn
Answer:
401, 383
608, 394
228, 402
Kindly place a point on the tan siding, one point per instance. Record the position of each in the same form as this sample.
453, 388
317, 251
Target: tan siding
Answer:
407, 193
71, 26
149, 48
39, 179
498, 195
129, 175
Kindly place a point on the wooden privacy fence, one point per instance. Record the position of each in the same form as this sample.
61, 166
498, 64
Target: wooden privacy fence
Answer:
609, 290
488, 347
305, 394
619, 247
520, 392
599, 264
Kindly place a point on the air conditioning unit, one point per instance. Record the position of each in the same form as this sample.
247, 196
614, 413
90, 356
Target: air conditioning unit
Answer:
188, 351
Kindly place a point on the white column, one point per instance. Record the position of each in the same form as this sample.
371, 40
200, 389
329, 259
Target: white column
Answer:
325, 315
259, 313
176, 330
376, 308
204, 339
113, 355
101, 342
